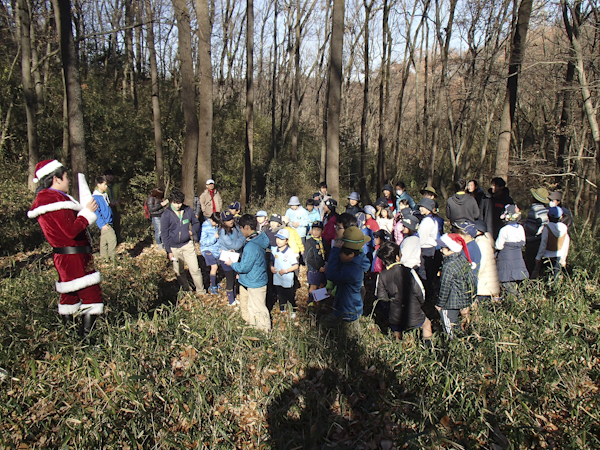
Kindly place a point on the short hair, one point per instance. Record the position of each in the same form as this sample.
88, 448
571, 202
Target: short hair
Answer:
460, 184
101, 179
388, 253
248, 220
46, 182
499, 182
401, 185
158, 193
322, 184
310, 201
348, 220
177, 196
216, 217
403, 201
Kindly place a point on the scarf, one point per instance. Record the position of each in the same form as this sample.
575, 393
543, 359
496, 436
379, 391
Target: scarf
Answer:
320, 247
212, 198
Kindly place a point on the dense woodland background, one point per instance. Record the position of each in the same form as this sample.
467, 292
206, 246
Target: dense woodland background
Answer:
258, 95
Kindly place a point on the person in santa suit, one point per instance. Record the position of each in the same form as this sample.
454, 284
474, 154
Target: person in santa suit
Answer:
64, 222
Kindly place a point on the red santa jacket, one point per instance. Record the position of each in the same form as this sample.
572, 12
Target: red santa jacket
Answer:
64, 222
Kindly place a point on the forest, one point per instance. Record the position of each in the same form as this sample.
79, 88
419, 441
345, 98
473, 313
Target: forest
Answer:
269, 99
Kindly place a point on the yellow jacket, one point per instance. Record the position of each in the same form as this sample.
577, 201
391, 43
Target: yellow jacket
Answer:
295, 241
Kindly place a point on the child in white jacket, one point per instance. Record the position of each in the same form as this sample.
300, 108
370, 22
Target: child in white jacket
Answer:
554, 244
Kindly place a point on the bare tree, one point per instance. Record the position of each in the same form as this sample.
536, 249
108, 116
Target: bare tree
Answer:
247, 177
188, 99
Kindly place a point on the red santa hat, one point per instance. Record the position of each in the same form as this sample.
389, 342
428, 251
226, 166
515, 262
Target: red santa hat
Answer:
45, 167
455, 243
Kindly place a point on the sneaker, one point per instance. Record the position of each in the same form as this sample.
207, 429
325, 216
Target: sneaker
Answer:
293, 316
213, 290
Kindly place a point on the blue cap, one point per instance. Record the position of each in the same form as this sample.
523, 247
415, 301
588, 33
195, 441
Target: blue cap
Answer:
235, 205
261, 213
283, 234
226, 216
354, 196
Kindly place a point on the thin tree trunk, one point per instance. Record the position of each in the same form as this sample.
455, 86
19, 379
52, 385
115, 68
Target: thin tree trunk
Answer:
335, 93
365, 109
382, 73
274, 88
247, 177
160, 167
188, 98
73, 92
296, 94
205, 112
29, 93
510, 101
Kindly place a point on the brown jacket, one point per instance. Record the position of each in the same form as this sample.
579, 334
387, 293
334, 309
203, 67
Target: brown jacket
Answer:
207, 205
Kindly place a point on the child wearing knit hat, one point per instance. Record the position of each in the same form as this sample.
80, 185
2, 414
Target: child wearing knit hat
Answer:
458, 285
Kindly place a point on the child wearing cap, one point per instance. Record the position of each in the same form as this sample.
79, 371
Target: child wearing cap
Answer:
458, 285
379, 237
298, 217
283, 264
230, 239
313, 214
329, 222
345, 268
510, 241
261, 219
389, 198
353, 206
235, 209
402, 287
410, 247
314, 252
467, 230
210, 249
554, 244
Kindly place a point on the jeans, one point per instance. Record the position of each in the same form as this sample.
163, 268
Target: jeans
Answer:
156, 225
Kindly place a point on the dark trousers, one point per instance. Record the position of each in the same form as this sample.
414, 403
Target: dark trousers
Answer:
286, 295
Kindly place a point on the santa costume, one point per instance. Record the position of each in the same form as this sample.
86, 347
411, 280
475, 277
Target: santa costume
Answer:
64, 222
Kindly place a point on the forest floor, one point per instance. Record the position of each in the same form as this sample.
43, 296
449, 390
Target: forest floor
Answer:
168, 369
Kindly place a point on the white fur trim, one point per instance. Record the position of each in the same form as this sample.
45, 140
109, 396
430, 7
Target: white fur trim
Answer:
68, 309
451, 243
92, 308
56, 206
78, 283
89, 215
47, 170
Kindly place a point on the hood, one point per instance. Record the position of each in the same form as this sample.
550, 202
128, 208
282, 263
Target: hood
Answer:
461, 199
558, 230
261, 239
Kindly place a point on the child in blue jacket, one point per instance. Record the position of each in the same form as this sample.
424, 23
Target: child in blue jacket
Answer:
230, 239
346, 268
209, 246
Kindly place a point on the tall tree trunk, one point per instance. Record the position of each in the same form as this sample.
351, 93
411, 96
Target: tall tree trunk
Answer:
73, 91
129, 75
296, 94
565, 122
334, 103
247, 178
362, 186
188, 99
274, 87
160, 167
29, 93
205, 112
508, 113
382, 73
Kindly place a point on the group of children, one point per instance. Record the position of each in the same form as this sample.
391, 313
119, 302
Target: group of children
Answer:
396, 252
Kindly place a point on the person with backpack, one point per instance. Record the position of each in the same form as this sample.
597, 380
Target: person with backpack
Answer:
154, 207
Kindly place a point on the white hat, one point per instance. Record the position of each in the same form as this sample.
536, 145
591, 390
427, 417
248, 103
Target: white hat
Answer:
210, 181
294, 201
283, 234
44, 168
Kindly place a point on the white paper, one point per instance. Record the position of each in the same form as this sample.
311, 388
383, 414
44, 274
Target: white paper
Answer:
85, 194
320, 294
227, 255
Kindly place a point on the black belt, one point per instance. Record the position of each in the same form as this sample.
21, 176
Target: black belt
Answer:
72, 250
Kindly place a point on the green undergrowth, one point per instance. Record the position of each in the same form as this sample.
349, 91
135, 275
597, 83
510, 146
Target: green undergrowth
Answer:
168, 370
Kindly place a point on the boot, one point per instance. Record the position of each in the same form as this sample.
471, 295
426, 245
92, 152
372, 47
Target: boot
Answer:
87, 322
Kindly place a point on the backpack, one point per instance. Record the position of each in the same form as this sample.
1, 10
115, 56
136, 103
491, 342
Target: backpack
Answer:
146, 212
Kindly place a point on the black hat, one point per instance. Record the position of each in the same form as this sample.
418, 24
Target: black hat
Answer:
317, 224
410, 222
481, 225
276, 218
381, 202
388, 187
331, 203
383, 234
427, 203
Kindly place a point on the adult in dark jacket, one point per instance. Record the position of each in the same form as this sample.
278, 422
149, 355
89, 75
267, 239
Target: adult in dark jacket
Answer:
461, 206
402, 287
496, 199
156, 204
179, 225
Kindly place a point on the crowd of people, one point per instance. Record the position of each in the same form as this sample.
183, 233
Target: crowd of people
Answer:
400, 252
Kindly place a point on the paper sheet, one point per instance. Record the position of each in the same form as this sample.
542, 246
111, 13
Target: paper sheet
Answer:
320, 294
227, 255
85, 194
